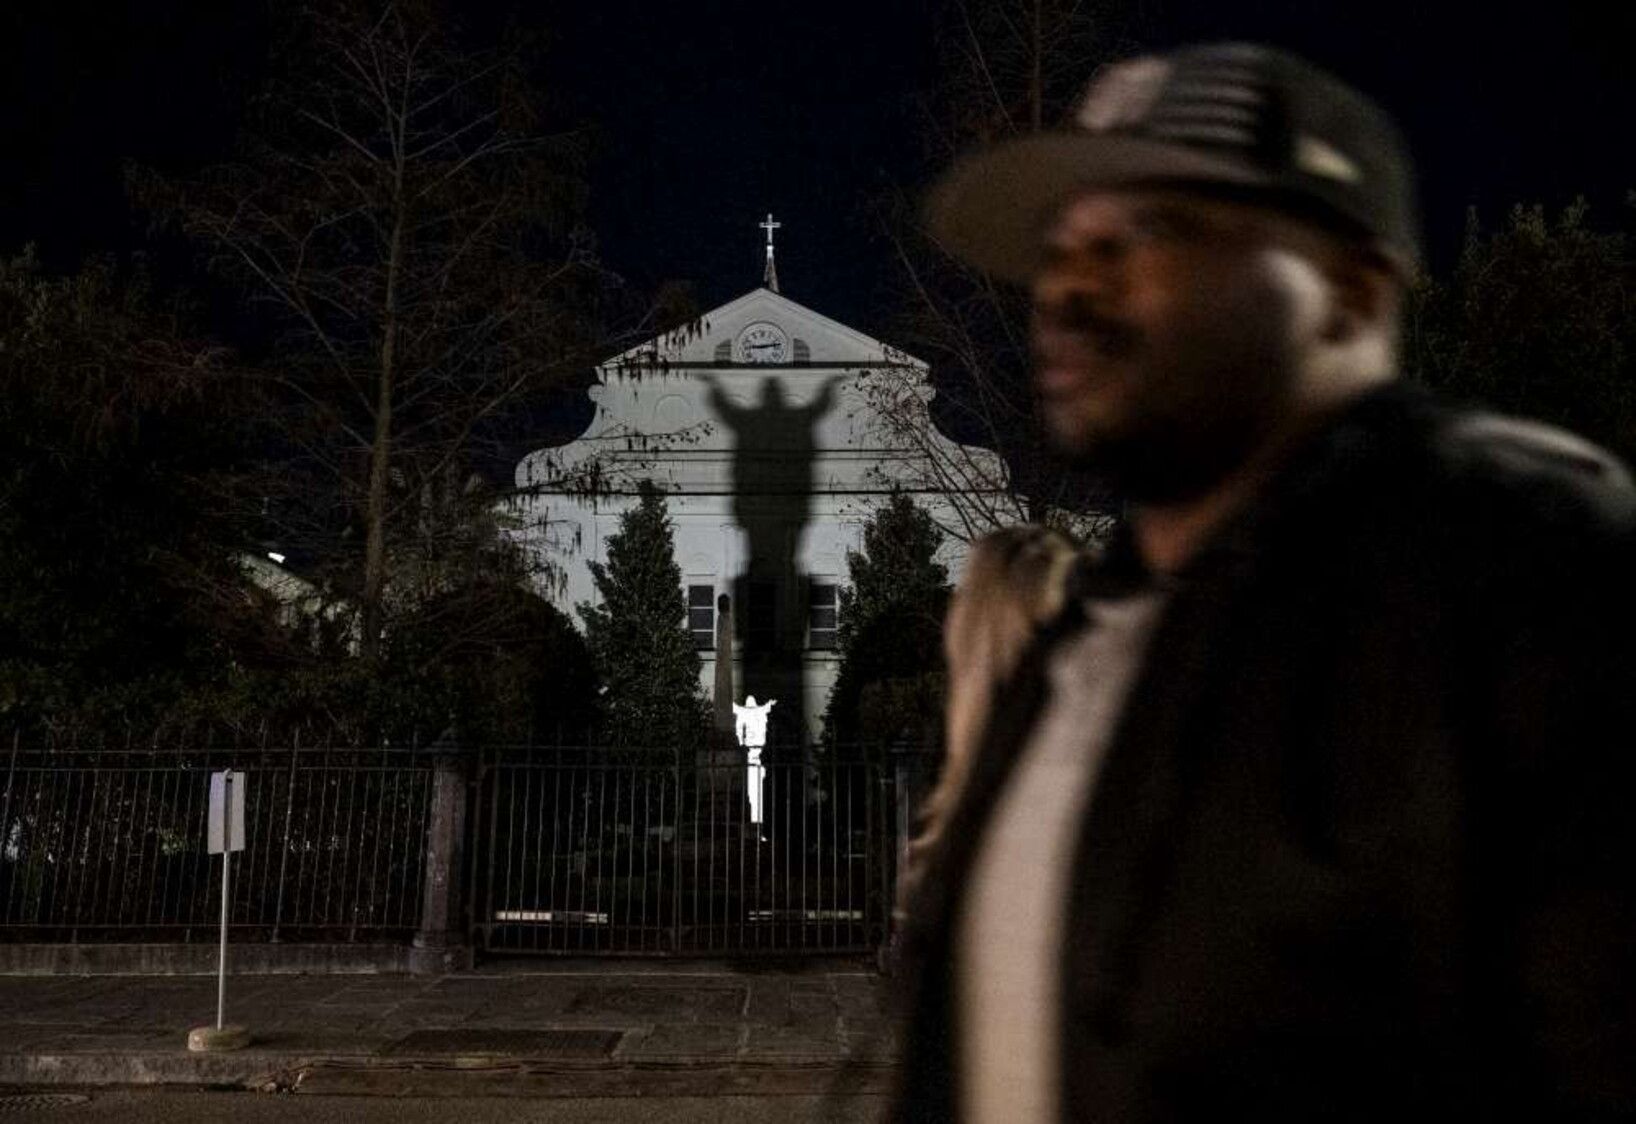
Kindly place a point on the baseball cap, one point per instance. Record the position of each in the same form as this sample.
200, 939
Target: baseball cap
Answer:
1252, 121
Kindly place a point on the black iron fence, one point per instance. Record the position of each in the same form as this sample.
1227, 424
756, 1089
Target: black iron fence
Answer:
585, 850
109, 844
580, 851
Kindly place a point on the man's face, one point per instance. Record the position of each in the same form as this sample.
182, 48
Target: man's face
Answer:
1166, 336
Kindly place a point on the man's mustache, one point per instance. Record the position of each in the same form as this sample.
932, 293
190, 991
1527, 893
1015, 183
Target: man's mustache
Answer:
1078, 324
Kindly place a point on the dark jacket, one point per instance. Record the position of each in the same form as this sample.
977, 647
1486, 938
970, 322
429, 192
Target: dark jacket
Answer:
1364, 844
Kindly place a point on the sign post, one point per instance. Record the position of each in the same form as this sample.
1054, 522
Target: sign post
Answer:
224, 834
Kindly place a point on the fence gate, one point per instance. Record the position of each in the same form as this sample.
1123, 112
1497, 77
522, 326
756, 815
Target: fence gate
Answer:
583, 851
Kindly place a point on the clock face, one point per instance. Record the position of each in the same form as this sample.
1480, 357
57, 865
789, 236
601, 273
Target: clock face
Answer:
762, 343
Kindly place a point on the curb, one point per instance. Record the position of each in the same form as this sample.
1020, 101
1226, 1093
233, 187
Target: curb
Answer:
450, 1075
239, 1071
489, 1077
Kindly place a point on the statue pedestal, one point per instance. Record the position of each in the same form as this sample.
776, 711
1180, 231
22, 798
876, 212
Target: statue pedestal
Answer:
720, 779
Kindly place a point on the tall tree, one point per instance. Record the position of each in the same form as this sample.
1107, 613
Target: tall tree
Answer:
638, 634
1538, 318
118, 587
890, 681
409, 240
1006, 69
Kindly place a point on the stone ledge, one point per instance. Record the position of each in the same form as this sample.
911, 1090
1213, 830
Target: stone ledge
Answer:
200, 959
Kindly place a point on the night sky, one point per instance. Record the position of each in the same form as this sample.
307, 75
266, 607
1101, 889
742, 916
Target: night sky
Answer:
706, 116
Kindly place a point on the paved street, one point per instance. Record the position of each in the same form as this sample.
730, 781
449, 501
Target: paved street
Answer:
565, 1029
170, 1107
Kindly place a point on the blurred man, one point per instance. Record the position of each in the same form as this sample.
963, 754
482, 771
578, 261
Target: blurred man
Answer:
1305, 800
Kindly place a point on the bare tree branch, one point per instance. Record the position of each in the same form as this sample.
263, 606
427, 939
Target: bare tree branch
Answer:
418, 268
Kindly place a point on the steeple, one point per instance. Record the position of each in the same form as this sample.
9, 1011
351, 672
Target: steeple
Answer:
769, 276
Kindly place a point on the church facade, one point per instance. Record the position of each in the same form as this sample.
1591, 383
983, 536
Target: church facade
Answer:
759, 426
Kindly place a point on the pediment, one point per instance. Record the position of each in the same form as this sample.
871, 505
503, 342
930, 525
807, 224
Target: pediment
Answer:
673, 409
815, 338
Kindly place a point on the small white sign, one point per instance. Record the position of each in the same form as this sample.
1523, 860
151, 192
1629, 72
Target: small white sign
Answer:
226, 811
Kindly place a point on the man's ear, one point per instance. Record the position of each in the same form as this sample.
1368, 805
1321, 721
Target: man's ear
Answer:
1364, 293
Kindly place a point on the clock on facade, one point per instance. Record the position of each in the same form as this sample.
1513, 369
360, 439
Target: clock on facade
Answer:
762, 343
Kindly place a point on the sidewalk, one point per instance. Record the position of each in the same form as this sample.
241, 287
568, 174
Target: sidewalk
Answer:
568, 1028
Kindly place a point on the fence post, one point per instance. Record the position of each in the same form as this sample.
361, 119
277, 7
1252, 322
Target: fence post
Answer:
284, 840
675, 848
908, 777
440, 944
908, 788
11, 776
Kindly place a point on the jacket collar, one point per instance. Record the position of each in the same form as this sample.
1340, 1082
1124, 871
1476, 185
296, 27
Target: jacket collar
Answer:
1360, 433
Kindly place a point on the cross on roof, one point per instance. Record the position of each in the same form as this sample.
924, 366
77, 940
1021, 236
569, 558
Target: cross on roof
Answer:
769, 276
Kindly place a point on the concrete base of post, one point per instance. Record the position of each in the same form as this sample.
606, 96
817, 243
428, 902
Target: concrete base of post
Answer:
216, 1040
439, 945
429, 957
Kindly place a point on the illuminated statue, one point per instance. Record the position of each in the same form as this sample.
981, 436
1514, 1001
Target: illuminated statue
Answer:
750, 727
751, 723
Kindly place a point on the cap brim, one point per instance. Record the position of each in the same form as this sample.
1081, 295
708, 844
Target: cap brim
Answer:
992, 206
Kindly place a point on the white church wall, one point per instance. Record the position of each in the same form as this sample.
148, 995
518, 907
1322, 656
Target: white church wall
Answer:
726, 439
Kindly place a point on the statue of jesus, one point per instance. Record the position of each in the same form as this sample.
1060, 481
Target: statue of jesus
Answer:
750, 727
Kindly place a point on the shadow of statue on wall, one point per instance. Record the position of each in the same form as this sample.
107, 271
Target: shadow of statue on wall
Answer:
773, 468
